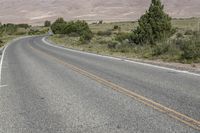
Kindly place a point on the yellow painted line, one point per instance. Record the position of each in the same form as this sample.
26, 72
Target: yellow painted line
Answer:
161, 108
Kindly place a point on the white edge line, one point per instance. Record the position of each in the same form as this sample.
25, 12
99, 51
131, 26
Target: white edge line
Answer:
2, 57
3, 54
135, 62
3, 86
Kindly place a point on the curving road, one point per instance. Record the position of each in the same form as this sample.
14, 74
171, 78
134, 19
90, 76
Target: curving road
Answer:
46, 89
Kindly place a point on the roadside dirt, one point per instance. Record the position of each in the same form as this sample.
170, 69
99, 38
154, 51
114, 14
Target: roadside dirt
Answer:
194, 67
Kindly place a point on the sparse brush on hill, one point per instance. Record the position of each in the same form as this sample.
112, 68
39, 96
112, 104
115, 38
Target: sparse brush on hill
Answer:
14, 29
185, 49
8, 29
38, 31
122, 36
191, 48
26, 26
104, 33
1, 42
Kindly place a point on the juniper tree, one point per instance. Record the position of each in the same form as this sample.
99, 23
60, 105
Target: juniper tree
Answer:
154, 25
47, 23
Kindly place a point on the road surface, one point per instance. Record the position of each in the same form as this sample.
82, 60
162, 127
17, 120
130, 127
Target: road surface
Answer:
46, 89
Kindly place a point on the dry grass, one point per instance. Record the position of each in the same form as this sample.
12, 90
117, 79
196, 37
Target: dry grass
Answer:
100, 44
6, 39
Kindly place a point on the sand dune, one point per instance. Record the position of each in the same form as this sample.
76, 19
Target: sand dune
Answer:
36, 11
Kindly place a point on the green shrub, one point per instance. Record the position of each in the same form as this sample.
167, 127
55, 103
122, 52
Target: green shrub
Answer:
191, 50
86, 37
124, 47
103, 41
196, 34
179, 35
36, 32
100, 22
20, 33
113, 44
160, 49
122, 36
1, 45
104, 33
33, 32
116, 27
178, 49
189, 32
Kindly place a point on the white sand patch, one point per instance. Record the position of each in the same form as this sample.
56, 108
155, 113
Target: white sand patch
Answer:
37, 15
23, 11
41, 17
86, 15
128, 13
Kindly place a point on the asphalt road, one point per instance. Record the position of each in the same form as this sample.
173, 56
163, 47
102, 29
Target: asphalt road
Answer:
45, 89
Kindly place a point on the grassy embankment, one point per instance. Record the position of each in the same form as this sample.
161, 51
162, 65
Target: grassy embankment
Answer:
12, 33
183, 46
6, 39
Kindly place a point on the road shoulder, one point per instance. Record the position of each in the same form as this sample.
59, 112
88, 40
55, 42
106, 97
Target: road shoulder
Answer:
191, 68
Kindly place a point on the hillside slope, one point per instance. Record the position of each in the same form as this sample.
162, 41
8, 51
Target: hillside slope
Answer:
36, 11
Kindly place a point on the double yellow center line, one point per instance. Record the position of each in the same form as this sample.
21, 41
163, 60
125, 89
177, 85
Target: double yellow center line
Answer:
168, 111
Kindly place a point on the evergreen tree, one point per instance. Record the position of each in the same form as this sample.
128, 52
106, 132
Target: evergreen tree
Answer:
58, 26
154, 25
47, 23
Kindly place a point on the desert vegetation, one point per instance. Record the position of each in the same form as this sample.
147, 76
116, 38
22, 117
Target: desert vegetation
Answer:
155, 36
9, 31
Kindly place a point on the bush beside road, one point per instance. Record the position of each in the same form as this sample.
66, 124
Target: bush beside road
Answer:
154, 37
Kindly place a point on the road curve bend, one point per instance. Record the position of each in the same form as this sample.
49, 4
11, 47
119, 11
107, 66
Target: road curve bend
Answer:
46, 89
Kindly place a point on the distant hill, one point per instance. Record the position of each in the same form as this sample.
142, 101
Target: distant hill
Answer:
36, 11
